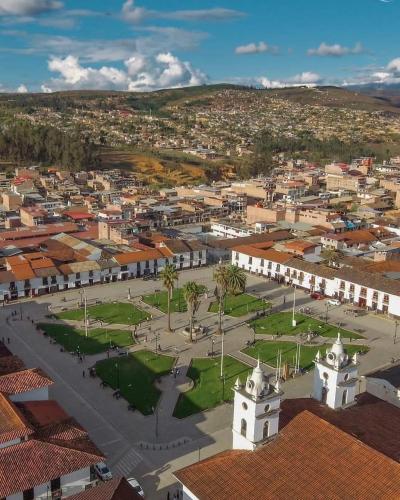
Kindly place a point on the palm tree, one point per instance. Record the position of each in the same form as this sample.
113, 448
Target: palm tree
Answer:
192, 293
236, 280
168, 277
221, 277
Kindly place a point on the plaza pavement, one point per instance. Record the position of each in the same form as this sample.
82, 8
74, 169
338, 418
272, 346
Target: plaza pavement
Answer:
151, 448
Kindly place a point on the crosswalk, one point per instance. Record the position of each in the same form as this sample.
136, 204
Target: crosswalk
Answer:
127, 463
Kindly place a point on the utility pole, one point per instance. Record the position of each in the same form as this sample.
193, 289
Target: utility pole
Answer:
294, 323
86, 322
222, 352
396, 324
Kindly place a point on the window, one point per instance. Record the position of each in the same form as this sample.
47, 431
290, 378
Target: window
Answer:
147, 264
236, 255
346, 377
123, 268
27, 283
344, 397
267, 408
363, 292
325, 375
301, 276
250, 260
278, 268
243, 428
78, 276
244, 405
65, 278
266, 429
201, 254
262, 263
55, 484
29, 494
386, 298
352, 288
323, 283
342, 285
45, 281
375, 296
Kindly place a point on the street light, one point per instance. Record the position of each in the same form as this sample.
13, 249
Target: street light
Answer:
212, 346
117, 369
294, 322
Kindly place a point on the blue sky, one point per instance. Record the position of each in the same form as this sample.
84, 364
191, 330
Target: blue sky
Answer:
148, 44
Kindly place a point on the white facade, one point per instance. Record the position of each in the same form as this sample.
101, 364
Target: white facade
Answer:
335, 377
342, 289
256, 410
71, 484
227, 231
41, 394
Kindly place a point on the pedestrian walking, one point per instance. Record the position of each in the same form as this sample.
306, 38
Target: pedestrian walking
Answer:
284, 299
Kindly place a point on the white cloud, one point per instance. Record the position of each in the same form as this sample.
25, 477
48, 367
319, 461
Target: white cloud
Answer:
45, 89
386, 75
335, 50
141, 73
256, 48
28, 7
134, 14
22, 89
307, 78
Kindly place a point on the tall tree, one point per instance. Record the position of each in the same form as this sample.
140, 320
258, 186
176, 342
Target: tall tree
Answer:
331, 256
221, 278
192, 293
236, 279
169, 275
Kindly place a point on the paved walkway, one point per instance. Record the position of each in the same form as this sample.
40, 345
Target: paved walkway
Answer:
120, 433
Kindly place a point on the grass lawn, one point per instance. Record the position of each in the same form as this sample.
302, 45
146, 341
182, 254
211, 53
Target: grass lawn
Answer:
160, 300
267, 351
135, 375
239, 305
120, 313
208, 387
282, 323
97, 341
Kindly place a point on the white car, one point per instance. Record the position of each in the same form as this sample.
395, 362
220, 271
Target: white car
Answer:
103, 471
136, 486
334, 302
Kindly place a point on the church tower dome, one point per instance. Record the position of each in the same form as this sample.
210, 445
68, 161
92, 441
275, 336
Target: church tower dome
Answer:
256, 410
335, 376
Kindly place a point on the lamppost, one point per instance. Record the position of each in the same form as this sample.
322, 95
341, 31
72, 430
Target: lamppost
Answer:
212, 347
86, 319
117, 370
396, 324
294, 322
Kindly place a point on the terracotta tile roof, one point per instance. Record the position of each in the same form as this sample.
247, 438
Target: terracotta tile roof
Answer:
116, 489
6, 277
372, 420
42, 230
12, 424
10, 364
45, 272
310, 458
300, 245
369, 280
271, 254
23, 272
24, 381
43, 413
311, 268
140, 256
51, 461
249, 240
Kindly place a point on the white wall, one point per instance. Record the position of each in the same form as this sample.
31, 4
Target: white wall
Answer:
35, 395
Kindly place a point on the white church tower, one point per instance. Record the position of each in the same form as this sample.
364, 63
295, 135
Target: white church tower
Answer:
335, 377
256, 411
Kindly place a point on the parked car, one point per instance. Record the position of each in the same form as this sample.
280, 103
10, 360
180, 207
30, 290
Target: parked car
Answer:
136, 486
334, 302
103, 471
316, 296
